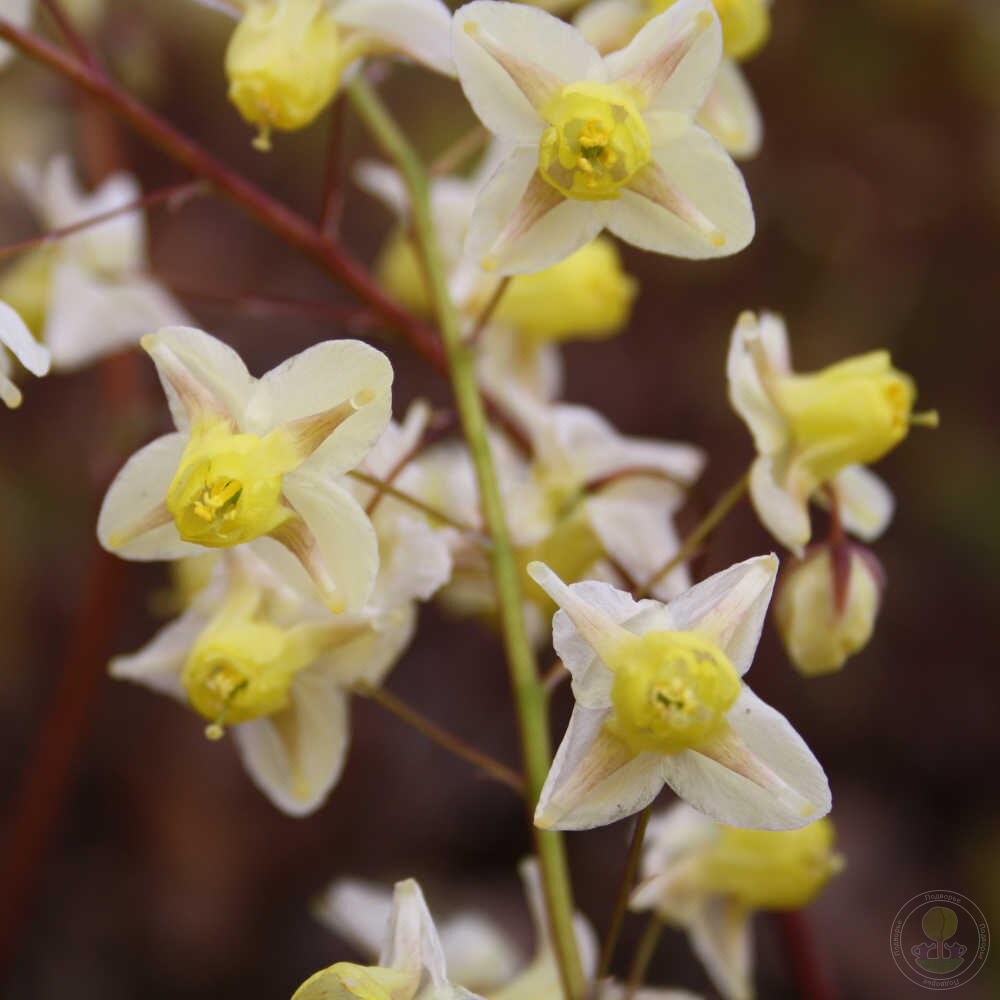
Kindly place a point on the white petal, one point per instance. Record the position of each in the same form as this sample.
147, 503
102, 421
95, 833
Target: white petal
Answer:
318, 379
371, 655
531, 35
703, 173
733, 799
781, 512
866, 503
747, 393
687, 86
412, 942
672, 834
478, 953
16, 336
213, 367
140, 487
357, 911
729, 607
417, 564
609, 25
296, 756
159, 663
730, 113
595, 779
343, 532
418, 28
721, 938
396, 442
90, 317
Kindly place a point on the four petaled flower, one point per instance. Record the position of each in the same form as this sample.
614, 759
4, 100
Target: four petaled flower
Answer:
598, 142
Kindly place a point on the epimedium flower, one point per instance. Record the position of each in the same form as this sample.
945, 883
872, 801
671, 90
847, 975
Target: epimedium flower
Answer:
254, 650
710, 879
826, 605
660, 700
730, 112
286, 58
817, 430
597, 142
18, 339
411, 964
88, 294
586, 296
257, 459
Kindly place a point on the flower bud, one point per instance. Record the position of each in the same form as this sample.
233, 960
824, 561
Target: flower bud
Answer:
826, 606
284, 64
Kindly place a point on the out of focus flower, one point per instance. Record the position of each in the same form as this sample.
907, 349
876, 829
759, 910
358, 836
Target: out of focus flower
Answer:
17, 338
588, 295
88, 294
597, 142
256, 651
659, 700
826, 606
709, 879
730, 112
411, 963
286, 58
19, 13
817, 430
257, 457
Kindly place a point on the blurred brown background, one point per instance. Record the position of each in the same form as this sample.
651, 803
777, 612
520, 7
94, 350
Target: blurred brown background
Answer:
878, 204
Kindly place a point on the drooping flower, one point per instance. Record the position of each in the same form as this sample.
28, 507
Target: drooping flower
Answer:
588, 295
17, 338
709, 879
255, 651
818, 430
660, 700
730, 112
257, 459
286, 58
411, 964
826, 606
88, 294
597, 142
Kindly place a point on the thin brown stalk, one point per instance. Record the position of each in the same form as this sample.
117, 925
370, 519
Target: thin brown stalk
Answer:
488, 310
73, 38
174, 195
802, 956
636, 471
554, 676
442, 737
624, 889
333, 178
643, 954
460, 150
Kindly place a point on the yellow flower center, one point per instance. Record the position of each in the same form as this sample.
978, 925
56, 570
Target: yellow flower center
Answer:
746, 24
771, 869
671, 691
284, 63
595, 143
850, 413
227, 488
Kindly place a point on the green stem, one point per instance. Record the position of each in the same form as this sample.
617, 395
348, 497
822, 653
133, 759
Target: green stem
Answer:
643, 954
529, 696
701, 531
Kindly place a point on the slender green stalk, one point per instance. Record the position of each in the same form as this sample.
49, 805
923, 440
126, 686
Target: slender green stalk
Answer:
702, 530
643, 954
529, 696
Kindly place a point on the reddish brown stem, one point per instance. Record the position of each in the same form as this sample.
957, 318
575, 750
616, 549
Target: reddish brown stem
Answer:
73, 38
803, 957
333, 179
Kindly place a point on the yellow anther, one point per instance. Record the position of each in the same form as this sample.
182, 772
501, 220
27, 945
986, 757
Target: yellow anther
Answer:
929, 418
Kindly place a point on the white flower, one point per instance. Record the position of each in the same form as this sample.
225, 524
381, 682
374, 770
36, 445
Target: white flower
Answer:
597, 142
88, 294
659, 700
709, 879
730, 111
817, 430
255, 652
411, 965
286, 59
19, 13
257, 457
17, 338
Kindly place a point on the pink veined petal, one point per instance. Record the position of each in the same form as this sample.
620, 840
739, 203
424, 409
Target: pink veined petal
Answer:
554, 48
672, 61
420, 29
412, 943
296, 756
783, 513
753, 360
595, 779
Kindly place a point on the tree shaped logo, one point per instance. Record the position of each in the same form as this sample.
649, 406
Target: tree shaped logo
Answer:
940, 924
